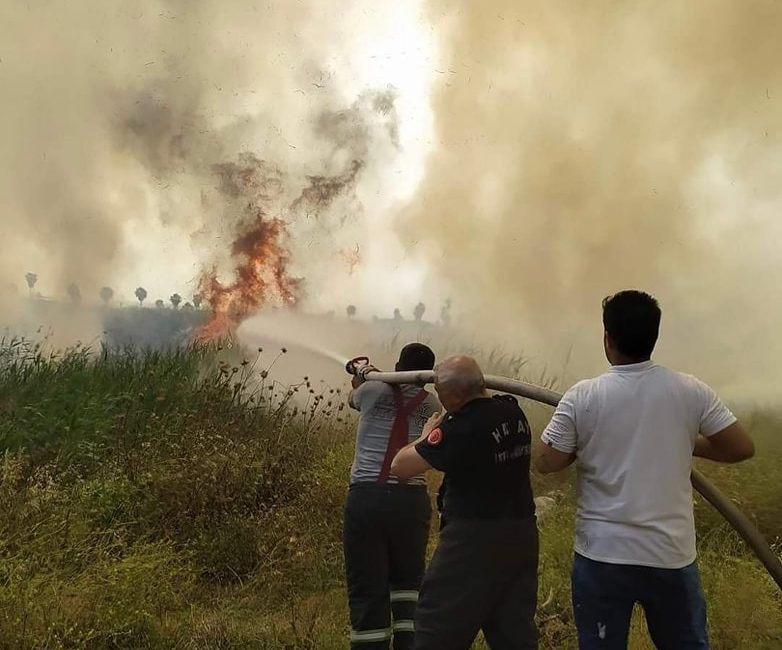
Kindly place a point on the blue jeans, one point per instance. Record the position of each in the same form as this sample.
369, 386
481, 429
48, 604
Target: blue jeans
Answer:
604, 596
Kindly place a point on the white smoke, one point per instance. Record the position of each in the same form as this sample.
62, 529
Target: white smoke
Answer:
118, 114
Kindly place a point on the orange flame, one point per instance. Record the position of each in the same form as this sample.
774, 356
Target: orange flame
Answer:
257, 188
261, 277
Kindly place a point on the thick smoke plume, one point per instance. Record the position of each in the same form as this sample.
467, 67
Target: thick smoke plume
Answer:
120, 121
522, 159
589, 147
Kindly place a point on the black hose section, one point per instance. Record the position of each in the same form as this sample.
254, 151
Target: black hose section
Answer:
741, 524
722, 504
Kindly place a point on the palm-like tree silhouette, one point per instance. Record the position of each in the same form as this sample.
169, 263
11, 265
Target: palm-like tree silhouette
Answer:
141, 295
31, 278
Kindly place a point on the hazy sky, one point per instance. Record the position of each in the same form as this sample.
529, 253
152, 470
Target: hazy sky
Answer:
524, 159
117, 115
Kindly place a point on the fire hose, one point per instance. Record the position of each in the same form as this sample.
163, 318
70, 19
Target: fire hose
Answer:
731, 513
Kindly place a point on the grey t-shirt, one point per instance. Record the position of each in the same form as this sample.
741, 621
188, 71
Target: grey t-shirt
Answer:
375, 402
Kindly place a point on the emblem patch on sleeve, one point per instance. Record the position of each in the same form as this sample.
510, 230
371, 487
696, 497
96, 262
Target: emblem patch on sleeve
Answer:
435, 436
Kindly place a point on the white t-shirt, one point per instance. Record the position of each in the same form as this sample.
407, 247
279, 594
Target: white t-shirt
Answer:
633, 430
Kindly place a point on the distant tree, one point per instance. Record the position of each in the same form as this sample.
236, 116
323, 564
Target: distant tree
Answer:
141, 294
445, 313
397, 314
74, 293
187, 307
106, 294
197, 300
351, 311
31, 278
419, 310
159, 304
175, 300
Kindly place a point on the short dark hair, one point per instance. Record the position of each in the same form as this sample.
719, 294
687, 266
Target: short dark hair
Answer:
632, 320
415, 356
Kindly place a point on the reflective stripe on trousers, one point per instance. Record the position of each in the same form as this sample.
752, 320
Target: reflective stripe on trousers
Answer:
404, 595
370, 636
399, 626
404, 626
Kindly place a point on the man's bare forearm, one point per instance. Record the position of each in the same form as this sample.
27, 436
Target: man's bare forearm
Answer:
548, 460
704, 449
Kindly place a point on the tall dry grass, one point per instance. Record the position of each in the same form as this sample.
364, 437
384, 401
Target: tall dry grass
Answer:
184, 499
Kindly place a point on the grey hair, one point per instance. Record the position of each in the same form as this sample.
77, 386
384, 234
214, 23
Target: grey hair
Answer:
460, 374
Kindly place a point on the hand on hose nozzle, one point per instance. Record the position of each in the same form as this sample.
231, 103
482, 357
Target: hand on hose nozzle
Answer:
358, 367
355, 364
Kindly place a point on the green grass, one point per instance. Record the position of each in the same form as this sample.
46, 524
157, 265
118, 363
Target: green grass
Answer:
180, 500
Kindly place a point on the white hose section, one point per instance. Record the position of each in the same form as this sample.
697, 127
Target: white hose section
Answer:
737, 519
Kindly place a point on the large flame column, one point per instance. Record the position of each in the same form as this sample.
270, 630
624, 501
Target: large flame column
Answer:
737, 519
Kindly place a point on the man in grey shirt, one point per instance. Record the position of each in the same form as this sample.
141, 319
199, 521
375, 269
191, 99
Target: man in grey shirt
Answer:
386, 519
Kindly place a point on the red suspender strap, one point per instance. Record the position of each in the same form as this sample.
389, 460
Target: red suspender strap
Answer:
401, 429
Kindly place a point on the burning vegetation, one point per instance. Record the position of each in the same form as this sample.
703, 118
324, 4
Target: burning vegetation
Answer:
259, 191
261, 259
261, 276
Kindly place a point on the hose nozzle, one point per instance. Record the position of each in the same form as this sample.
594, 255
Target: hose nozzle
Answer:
356, 365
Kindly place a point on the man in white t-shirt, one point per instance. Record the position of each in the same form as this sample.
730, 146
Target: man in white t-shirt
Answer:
632, 433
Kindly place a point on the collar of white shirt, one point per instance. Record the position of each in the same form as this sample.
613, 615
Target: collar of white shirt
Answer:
633, 367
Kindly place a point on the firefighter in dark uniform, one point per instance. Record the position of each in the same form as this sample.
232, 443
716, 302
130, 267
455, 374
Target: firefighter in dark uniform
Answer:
483, 575
387, 520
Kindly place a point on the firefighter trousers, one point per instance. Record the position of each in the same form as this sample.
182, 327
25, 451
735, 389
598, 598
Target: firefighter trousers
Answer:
385, 534
483, 576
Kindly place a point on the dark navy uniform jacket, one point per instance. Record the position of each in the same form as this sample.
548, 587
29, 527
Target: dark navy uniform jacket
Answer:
484, 450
